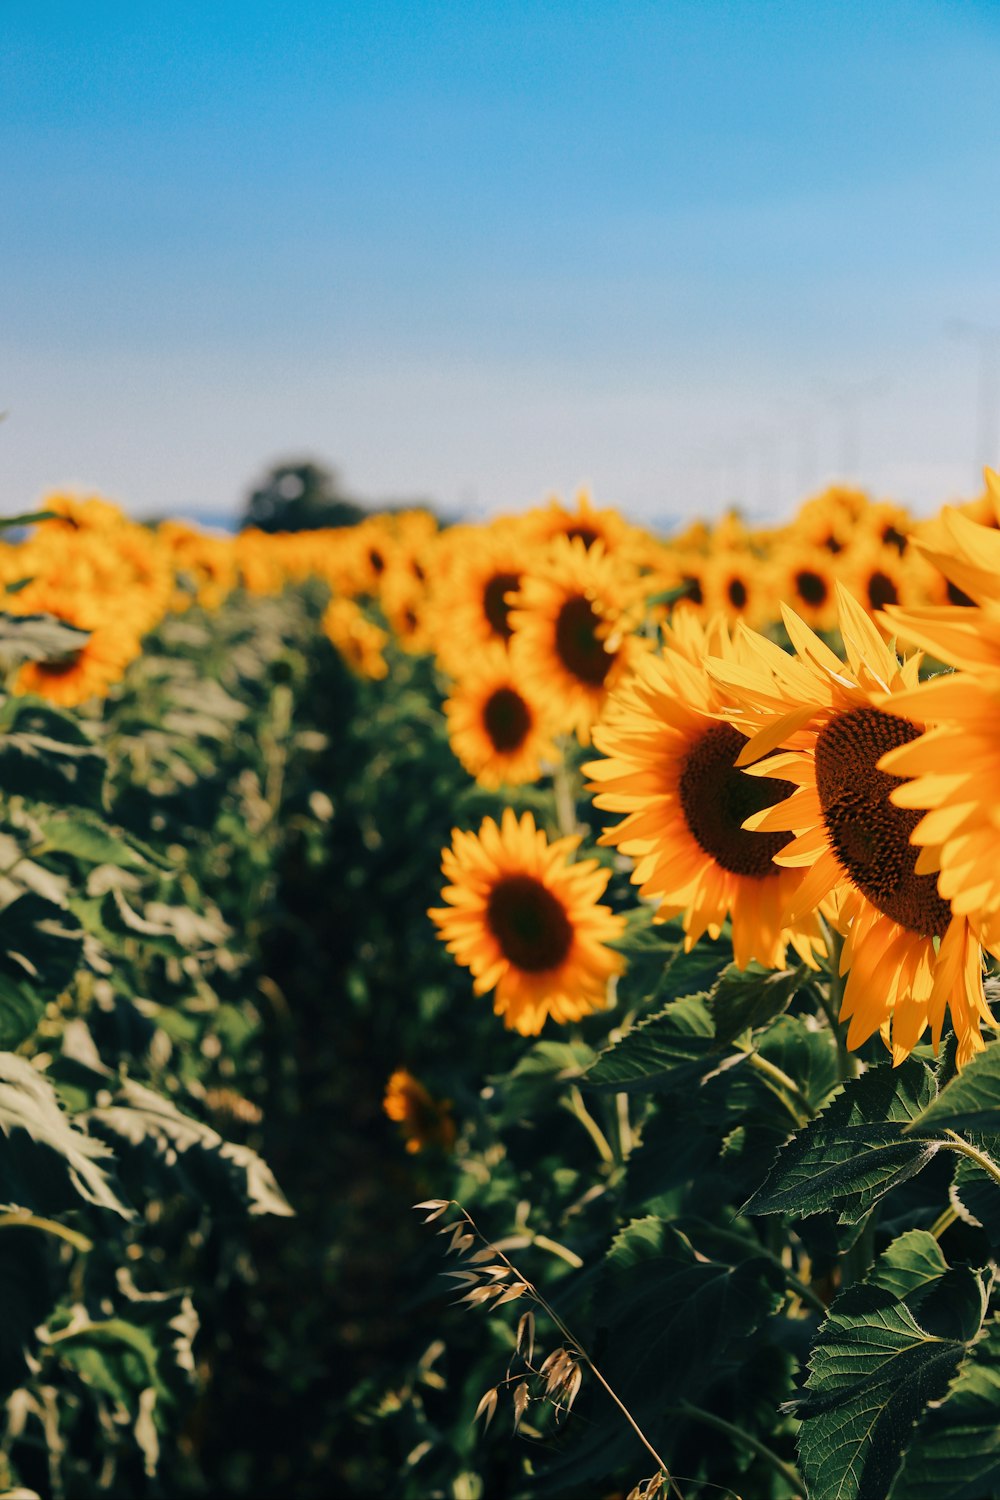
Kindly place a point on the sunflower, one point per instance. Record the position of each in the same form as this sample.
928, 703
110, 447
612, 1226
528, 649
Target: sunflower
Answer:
524, 919
479, 571
585, 523
423, 1120
359, 640
806, 576
737, 583
908, 957
89, 671
955, 765
497, 729
573, 636
877, 575
670, 767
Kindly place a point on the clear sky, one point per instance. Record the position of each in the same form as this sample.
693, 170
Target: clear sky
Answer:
684, 253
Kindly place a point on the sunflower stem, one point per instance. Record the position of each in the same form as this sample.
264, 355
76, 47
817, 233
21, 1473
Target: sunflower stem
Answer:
944, 1220
956, 1143
831, 998
563, 788
785, 1088
625, 1141
573, 1101
786, 1470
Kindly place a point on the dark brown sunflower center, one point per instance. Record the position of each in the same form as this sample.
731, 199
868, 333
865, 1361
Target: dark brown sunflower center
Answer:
579, 647
60, 667
881, 590
495, 606
586, 535
811, 587
693, 588
376, 559
870, 835
717, 798
506, 719
529, 923
737, 593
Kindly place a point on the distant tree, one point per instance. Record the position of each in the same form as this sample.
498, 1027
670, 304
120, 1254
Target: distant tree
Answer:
300, 496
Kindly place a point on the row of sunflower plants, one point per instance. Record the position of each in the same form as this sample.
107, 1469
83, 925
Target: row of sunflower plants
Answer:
731, 1225
142, 798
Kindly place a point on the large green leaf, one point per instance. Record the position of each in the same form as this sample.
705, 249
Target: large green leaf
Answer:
195, 1157
42, 1146
39, 941
885, 1352
856, 1150
44, 755
751, 997
21, 1009
955, 1454
674, 1044
91, 841
971, 1101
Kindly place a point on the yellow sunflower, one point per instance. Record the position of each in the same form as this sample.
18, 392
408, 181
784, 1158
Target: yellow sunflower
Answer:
359, 640
423, 1120
907, 955
525, 920
955, 765
573, 630
806, 577
499, 731
671, 768
479, 571
93, 668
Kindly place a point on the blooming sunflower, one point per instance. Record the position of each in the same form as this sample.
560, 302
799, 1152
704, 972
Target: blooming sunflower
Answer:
359, 640
573, 638
93, 668
479, 573
955, 765
908, 957
524, 919
424, 1120
499, 731
671, 768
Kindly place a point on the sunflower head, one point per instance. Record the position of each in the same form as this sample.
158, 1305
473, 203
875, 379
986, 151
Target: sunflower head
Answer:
525, 919
574, 631
423, 1120
498, 728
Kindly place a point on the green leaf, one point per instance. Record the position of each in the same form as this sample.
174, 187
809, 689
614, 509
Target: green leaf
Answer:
955, 1454
119, 920
20, 1012
751, 997
974, 1194
28, 518
64, 769
37, 638
971, 1101
90, 840
675, 1043
41, 941
855, 1151
195, 1155
876, 1364
34, 1130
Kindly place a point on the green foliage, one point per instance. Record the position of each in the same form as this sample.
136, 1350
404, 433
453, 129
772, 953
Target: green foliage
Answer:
888, 1349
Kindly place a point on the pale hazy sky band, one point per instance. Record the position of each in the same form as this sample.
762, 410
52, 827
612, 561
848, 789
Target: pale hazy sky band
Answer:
683, 253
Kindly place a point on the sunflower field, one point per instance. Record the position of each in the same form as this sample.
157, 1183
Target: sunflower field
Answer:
627, 904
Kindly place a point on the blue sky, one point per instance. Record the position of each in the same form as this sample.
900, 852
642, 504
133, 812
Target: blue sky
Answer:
683, 253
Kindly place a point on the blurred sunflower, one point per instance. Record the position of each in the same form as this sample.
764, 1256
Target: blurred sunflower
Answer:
93, 668
737, 584
573, 632
806, 577
423, 1120
498, 730
908, 956
478, 575
585, 523
878, 576
359, 640
671, 768
525, 920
